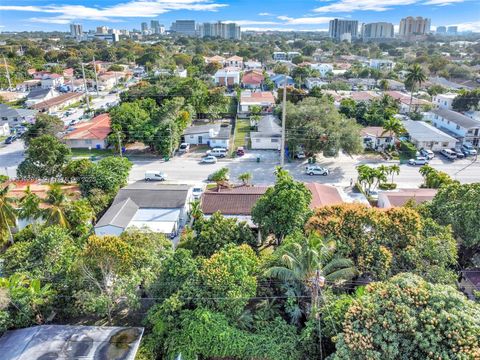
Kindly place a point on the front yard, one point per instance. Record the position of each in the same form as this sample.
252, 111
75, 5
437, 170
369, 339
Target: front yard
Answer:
242, 132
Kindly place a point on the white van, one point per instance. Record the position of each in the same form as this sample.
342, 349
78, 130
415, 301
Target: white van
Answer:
217, 152
155, 176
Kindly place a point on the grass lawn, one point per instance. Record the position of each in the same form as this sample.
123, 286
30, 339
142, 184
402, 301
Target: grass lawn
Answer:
242, 130
93, 152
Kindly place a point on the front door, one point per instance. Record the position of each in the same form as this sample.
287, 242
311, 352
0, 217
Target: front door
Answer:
200, 140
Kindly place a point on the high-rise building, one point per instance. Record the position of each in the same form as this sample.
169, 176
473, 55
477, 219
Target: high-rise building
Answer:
452, 30
441, 30
411, 27
378, 31
144, 27
343, 29
154, 25
102, 30
219, 29
185, 27
76, 30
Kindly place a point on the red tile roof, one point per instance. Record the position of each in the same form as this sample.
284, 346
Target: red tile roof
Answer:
255, 97
374, 131
323, 195
96, 129
401, 197
57, 100
253, 77
363, 95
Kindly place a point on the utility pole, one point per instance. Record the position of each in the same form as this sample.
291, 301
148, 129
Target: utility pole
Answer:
7, 73
86, 88
96, 78
284, 116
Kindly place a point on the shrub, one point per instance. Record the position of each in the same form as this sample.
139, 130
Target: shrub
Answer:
387, 186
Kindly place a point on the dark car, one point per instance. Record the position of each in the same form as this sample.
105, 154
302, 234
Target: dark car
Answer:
10, 139
459, 153
240, 151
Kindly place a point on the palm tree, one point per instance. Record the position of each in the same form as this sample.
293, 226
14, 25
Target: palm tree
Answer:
29, 206
57, 201
393, 170
415, 76
310, 262
8, 215
195, 210
245, 178
393, 126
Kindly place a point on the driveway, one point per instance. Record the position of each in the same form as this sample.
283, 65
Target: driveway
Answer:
10, 156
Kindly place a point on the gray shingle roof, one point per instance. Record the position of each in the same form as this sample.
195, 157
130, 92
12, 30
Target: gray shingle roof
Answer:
267, 127
38, 93
119, 214
224, 132
201, 129
457, 118
422, 131
7, 111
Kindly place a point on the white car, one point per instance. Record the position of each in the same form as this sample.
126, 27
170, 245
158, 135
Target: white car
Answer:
316, 170
427, 154
155, 176
197, 192
468, 149
184, 147
209, 159
418, 161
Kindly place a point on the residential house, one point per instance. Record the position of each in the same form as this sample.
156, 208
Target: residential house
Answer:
52, 81
268, 134
234, 61
215, 59
426, 136
90, 134
398, 198
450, 85
38, 95
212, 134
444, 101
147, 205
57, 103
282, 55
28, 85
10, 96
14, 116
4, 129
374, 137
110, 79
462, 127
469, 283
252, 65
312, 82
395, 85
228, 76
71, 342
264, 99
404, 101
382, 64
323, 69
253, 79
101, 66
366, 84
364, 96
279, 80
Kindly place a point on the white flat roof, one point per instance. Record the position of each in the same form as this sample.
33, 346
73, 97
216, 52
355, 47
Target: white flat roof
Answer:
422, 131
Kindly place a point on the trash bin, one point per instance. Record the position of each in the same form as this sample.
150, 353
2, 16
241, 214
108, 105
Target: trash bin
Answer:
258, 159
166, 158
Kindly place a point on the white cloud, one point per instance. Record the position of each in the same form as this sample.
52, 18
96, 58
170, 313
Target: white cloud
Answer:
305, 20
252, 22
468, 26
365, 5
132, 9
442, 2
265, 14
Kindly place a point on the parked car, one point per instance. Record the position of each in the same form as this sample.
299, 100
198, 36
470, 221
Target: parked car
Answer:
240, 151
458, 153
449, 154
210, 159
10, 139
155, 176
468, 149
183, 148
418, 161
427, 154
217, 152
197, 192
373, 194
300, 155
316, 170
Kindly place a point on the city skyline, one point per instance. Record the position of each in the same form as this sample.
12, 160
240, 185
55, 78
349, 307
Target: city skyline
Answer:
250, 15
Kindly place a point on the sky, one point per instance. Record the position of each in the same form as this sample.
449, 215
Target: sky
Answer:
48, 15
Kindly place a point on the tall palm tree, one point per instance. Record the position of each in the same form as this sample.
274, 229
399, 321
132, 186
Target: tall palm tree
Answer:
29, 206
310, 262
394, 170
393, 126
57, 201
415, 76
8, 215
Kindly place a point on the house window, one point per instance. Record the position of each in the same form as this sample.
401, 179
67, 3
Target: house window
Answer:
445, 144
257, 140
458, 127
274, 140
191, 136
88, 142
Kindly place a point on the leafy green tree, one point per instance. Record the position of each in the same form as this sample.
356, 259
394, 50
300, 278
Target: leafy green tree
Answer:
108, 175
407, 317
283, 208
415, 77
8, 215
45, 158
75, 170
245, 178
79, 215
393, 126
29, 205
467, 100
44, 125
434, 179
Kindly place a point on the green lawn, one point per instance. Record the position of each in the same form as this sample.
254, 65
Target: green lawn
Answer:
242, 130
93, 152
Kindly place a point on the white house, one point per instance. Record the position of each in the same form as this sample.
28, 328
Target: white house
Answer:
90, 134
13, 116
282, 55
444, 101
252, 65
268, 134
58, 102
375, 138
381, 64
147, 205
426, 136
38, 94
323, 69
234, 61
51, 81
264, 99
312, 82
4, 129
464, 128
213, 135
228, 76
